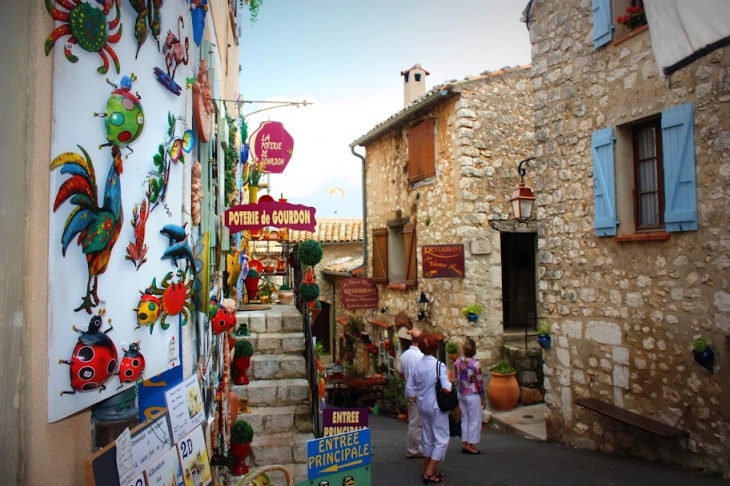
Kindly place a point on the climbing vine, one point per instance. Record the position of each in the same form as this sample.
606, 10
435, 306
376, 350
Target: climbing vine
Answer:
231, 158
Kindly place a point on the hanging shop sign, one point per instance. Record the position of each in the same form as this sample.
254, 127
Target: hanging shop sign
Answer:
271, 213
342, 420
443, 261
272, 146
359, 293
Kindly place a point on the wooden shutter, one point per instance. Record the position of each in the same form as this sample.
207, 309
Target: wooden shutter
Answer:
602, 22
680, 186
604, 186
380, 255
410, 257
421, 151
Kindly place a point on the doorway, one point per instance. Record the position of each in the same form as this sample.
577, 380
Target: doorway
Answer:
321, 327
519, 289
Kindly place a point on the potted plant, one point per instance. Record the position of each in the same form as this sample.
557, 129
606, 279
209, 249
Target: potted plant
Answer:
286, 294
318, 352
703, 354
355, 326
634, 17
241, 437
543, 334
252, 284
309, 291
242, 352
452, 349
472, 312
394, 392
503, 390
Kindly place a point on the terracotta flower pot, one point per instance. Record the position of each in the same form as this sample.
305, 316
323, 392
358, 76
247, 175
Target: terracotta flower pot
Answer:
241, 365
240, 451
503, 391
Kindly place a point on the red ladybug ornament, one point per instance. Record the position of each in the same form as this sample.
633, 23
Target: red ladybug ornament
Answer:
222, 320
132, 365
94, 358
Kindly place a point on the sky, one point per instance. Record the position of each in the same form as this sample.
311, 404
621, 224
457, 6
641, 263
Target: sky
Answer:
345, 58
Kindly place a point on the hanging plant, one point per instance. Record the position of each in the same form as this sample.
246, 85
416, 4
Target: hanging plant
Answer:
309, 291
231, 158
310, 252
703, 354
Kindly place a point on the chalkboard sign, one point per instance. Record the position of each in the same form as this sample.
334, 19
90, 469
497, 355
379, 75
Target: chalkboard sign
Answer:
150, 440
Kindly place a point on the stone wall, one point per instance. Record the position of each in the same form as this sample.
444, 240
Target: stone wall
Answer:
482, 132
625, 314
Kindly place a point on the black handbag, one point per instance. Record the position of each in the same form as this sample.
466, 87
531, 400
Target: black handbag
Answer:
446, 401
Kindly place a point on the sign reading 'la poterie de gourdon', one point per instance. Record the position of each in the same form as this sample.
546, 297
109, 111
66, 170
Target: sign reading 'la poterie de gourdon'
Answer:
272, 146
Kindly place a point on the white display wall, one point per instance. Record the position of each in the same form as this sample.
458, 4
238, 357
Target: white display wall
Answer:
79, 91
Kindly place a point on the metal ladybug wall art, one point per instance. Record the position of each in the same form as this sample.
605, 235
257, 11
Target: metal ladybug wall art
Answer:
222, 320
132, 365
94, 359
124, 115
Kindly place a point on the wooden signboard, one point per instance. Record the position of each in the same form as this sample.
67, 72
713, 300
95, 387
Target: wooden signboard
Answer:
359, 293
443, 261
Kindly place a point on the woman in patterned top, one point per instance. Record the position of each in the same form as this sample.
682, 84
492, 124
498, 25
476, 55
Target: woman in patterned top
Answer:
471, 395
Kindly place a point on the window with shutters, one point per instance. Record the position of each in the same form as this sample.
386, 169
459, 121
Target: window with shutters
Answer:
644, 177
394, 255
421, 151
616, 19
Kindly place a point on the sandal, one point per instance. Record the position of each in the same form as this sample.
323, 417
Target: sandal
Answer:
437, 474
434, 478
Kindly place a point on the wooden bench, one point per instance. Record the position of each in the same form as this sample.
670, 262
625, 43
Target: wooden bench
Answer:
631, 418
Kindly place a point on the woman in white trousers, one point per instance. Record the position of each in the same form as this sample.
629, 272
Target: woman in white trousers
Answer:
421, 388
472, 399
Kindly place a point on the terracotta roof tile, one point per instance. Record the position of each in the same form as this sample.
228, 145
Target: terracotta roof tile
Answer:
331, 230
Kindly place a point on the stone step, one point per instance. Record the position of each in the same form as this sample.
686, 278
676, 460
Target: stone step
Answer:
276, 342
280, 318
284, 448
276, 393
277, 367
278, 420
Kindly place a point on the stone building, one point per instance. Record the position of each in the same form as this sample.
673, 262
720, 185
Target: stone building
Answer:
634, 243
436, 172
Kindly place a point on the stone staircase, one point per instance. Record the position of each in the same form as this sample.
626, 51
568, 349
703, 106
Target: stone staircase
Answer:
278, 392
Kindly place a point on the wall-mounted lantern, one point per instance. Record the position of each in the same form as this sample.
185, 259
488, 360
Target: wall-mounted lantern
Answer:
522, 197
424, 306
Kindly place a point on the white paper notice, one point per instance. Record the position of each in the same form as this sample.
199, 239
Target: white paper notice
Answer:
185, 407
138, 481
151, 443
125, 464
173, 354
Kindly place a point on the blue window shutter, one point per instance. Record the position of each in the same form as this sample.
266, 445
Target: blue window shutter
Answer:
604, 185
680, 180
602, 22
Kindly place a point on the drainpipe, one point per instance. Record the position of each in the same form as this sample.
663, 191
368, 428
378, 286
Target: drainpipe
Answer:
364, 208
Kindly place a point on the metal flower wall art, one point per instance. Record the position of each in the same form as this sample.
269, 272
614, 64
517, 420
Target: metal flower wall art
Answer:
148, 20
176, 53
97, 225
94, 358
124, 115
137, 249
168, 153
87, 27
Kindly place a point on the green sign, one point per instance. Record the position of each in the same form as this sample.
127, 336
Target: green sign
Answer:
352, 477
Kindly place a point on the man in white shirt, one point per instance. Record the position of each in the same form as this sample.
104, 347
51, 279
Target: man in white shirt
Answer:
408, 359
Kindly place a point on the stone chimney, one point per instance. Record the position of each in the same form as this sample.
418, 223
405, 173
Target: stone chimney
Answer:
414, 83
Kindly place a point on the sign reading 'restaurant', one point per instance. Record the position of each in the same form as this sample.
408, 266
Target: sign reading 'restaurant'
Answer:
443, 261
272, 146
359, 293
278, 214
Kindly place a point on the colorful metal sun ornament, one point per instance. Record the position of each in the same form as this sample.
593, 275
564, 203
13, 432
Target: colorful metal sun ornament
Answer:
168, 153
97, 226
94, 358
202, 103
148, 20
171, 299
87, 27
176, 53
124, 115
